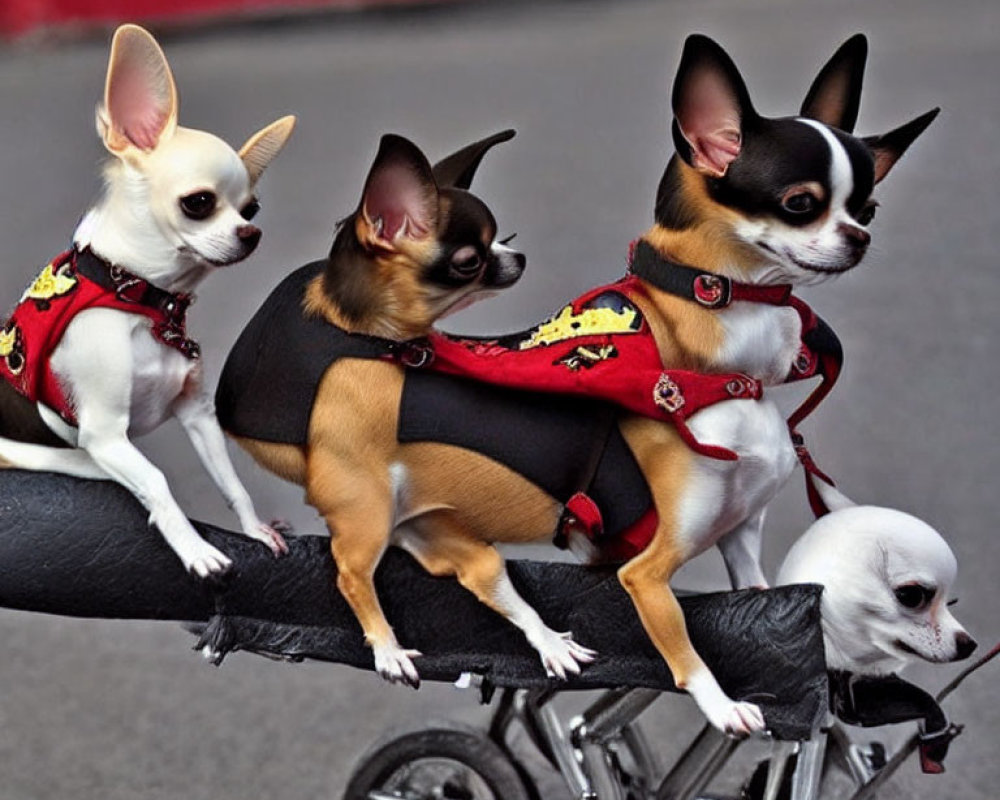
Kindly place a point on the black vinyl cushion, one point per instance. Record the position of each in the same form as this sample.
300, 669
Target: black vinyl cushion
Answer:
84, 549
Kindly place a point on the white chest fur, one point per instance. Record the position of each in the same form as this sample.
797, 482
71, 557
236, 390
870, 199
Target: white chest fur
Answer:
110, 361
760, 339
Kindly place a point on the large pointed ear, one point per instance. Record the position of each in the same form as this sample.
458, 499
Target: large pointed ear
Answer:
140, 98
835, 96
710, 104
401, 196
460, 167
888, 147
261, 148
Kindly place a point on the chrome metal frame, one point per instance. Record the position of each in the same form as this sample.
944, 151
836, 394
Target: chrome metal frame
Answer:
603, 755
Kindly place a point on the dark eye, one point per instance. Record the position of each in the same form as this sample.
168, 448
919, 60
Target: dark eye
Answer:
249, 211
800, 203
867, 214
199, 205
466, 263
913, 595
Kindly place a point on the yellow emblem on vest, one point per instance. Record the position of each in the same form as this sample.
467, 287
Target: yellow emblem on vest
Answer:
10, 350
589, 322
50, 283
7, 341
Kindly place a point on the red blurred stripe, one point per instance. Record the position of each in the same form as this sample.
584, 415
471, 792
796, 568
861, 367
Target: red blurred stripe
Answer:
18, 17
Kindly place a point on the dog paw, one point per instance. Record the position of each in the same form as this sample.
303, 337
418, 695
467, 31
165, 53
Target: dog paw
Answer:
395, 664
736, 719
208, 562
743, 719
561, 655
270, 536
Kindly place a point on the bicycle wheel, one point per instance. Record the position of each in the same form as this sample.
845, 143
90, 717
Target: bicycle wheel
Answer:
444, 762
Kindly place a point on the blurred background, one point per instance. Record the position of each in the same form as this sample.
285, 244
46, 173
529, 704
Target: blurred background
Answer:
100, 709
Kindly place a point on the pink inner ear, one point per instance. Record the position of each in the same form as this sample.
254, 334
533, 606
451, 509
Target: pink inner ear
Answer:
136, 110
397, 198
709, 118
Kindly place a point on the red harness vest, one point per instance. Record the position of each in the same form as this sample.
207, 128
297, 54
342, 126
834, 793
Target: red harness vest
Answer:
73, 282
599, 345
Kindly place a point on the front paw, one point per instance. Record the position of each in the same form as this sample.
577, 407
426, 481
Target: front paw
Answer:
739, 720
561, 656
206, 562
733, 718
395, 664
270, 537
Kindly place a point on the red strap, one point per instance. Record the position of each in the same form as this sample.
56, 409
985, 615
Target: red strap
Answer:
813, 474
580, 513
825, 364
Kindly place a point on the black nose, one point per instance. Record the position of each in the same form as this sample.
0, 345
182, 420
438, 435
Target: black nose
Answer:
965, 645
248, 235
521, 261
858, 237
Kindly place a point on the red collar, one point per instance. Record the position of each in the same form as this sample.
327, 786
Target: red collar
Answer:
708, 289
169, 308
820, 353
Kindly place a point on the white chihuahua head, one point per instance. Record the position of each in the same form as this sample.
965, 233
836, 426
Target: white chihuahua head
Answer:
886, 578
178, 201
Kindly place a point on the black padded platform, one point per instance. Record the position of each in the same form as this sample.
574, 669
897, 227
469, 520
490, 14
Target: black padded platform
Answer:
82, 548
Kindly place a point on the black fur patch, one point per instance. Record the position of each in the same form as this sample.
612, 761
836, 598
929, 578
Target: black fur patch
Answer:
347, 279
672, 210
470, 223
777, 154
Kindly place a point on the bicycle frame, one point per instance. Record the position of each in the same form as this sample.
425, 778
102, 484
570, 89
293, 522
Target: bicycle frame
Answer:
603, 755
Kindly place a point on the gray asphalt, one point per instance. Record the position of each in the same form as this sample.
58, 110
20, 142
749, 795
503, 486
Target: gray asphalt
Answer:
124, 710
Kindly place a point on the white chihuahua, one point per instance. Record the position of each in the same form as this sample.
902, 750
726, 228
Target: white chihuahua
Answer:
886, 577
177, 205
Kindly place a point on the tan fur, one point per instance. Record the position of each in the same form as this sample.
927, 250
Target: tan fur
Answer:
352, 445
687, 335
665, 461
284, 460
709, 243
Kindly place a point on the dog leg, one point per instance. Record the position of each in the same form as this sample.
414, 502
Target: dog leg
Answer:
358, 509
443, 548
685, 528
121, 460
647, 580
196, 413
357, 558
741, 551
39, 458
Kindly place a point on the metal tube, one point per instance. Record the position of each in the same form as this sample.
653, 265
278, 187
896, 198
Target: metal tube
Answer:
611, 713
568, 758
777, 764
701, 762
809, 768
